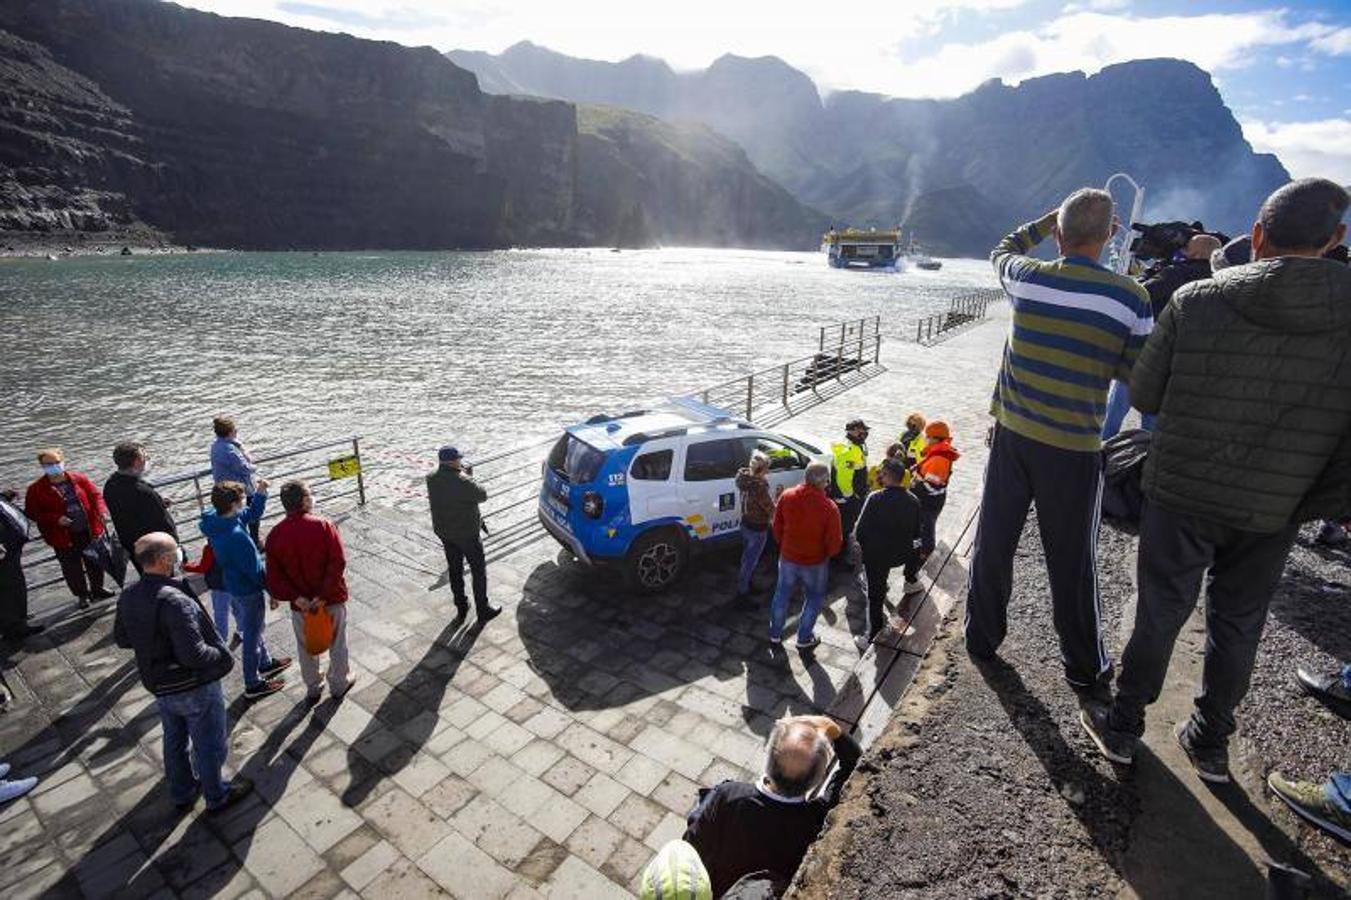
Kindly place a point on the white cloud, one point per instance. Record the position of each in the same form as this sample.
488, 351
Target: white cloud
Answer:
1336, 43
1321, 148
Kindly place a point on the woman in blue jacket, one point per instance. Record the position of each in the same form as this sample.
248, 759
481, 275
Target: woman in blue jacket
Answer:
242, 569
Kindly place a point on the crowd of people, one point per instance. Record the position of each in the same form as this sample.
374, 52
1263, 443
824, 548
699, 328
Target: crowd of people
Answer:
1235, 357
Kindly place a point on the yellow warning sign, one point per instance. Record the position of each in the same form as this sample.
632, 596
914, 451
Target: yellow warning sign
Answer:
344, 467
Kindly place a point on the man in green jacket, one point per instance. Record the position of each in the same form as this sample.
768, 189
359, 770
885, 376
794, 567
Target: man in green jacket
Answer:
454, 499
1249, 373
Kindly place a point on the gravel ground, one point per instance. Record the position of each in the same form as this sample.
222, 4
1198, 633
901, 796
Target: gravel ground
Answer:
1280, 728
985, 786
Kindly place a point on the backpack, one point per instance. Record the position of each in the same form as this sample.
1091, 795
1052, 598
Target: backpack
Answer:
1123, 464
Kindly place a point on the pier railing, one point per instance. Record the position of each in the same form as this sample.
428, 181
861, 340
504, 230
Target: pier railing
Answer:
962, 313
331, 468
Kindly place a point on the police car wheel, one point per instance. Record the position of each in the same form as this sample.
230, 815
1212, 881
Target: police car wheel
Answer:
656, 561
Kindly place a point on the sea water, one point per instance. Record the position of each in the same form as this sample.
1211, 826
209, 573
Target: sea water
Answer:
408, 350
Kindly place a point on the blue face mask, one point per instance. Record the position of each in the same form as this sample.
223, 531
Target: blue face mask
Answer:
53, 469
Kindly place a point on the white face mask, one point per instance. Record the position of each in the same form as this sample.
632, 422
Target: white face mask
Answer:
54, 469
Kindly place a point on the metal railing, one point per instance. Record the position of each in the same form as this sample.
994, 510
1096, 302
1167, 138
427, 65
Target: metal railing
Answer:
962, 312
189, 494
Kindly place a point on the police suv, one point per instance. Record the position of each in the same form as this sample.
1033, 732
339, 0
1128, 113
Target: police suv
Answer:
641, 489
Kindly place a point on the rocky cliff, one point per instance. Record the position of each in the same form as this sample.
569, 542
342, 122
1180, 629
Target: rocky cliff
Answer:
244, 133
961, 171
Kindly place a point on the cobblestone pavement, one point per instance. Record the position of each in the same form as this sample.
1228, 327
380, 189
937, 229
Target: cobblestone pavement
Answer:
547, 754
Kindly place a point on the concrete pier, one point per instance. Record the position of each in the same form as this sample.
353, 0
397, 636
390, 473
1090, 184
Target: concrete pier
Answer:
548, 754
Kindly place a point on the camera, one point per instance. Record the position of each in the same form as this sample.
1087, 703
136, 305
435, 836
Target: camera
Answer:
1163, 239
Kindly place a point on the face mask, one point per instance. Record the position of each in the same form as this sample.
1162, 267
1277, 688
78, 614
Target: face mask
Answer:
53, 469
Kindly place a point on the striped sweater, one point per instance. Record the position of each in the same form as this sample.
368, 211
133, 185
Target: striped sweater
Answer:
1076, 326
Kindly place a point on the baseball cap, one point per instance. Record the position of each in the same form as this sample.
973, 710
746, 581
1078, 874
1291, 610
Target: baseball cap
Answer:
448, 454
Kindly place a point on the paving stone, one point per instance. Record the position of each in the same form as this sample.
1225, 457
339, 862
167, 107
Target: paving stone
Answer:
536, 757
278, 858
627, 861
507, 738
405, 881
496, 830
595, 840
594, 749
558, 816
642, 774
465, 757
495, 776
676, 792
636, 816
575, 880
464, 870
443, 740
602, 794
449, 797
351, 848
569, 774
226, 882
525, 795
670, 828
370, 865
406, 823
548, 723
541, 862
68, 794
318, 816
421, 774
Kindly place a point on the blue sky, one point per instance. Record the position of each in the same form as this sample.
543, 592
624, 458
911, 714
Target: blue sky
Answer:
1283, 68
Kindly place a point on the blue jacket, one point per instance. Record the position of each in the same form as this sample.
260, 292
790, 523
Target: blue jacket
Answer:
228, 463
236, 554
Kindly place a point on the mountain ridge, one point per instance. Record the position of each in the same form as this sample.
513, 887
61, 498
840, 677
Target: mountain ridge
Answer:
1002, 153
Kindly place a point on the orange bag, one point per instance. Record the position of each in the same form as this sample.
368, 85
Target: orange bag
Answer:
319, 630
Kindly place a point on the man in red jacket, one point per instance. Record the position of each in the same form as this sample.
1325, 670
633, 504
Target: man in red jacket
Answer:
305, 565
69, 512
808, 531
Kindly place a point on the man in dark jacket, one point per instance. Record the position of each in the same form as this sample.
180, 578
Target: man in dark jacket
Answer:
181, 660
1161, 283
14, 527
454, 499
136, 508
888, 534
1250, 376
739, 828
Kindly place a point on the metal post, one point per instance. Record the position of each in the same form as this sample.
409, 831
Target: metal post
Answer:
197, 486
919, 331
361, 478
785, 384
750, 394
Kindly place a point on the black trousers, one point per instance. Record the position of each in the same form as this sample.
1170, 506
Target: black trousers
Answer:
13, 595
876, 575
1176, 551
850, 510
83, 575
457, 554
930, 505
1066, 486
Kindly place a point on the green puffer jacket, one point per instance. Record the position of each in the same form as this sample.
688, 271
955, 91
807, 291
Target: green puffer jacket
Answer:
454, 499
1250, 375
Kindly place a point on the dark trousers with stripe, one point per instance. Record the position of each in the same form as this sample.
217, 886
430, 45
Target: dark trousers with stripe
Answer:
1066, 486
1176, 551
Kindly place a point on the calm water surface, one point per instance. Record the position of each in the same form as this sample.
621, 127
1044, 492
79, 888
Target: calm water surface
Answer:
410, 350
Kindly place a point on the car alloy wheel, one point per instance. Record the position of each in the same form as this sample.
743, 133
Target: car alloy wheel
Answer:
658, 565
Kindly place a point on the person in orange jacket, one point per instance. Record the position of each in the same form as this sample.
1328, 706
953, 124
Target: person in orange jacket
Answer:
931, 478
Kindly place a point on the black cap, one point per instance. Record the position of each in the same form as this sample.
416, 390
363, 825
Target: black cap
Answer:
856, 423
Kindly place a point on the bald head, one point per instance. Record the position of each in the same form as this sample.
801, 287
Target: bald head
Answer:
156, 553
798, 757
1201, 246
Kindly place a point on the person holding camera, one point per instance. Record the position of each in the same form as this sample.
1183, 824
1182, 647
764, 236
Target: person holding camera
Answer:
1191, 263
454, 497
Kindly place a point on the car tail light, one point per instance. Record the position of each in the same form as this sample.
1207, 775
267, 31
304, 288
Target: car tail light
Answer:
592, 504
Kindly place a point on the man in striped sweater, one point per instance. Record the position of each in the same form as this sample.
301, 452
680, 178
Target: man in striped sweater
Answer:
1076, 326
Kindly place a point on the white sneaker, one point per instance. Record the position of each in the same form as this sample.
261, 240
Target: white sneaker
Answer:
13, 790
913, 587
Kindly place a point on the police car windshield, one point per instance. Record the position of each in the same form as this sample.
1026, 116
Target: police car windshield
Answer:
575, 460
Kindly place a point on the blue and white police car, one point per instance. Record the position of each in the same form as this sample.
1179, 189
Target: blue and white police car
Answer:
641, 489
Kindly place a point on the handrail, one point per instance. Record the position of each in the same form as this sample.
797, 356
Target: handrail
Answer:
963, 311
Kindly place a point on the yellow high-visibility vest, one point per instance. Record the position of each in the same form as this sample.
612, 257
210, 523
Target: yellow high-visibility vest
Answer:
849, 458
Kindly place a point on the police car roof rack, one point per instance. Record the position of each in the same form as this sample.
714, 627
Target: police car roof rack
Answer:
606, 417
642, 437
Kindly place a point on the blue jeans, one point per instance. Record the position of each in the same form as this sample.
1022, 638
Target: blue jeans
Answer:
195, 717
1346, 676
250, 611
222, 603
813, 580
1118, 405
1339, 790
752, 545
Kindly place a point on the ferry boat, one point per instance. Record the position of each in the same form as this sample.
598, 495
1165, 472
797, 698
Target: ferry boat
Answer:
857, 248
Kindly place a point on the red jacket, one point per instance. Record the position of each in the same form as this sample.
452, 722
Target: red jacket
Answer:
44, 504
305, 559
807, 526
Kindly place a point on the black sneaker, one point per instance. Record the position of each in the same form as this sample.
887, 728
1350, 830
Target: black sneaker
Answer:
85, 602
239, 789
461, 609
191, 801
235, 642
263, 689
488, 611
278, 666
102, 594
1211, 765
808, 645
1117, 746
